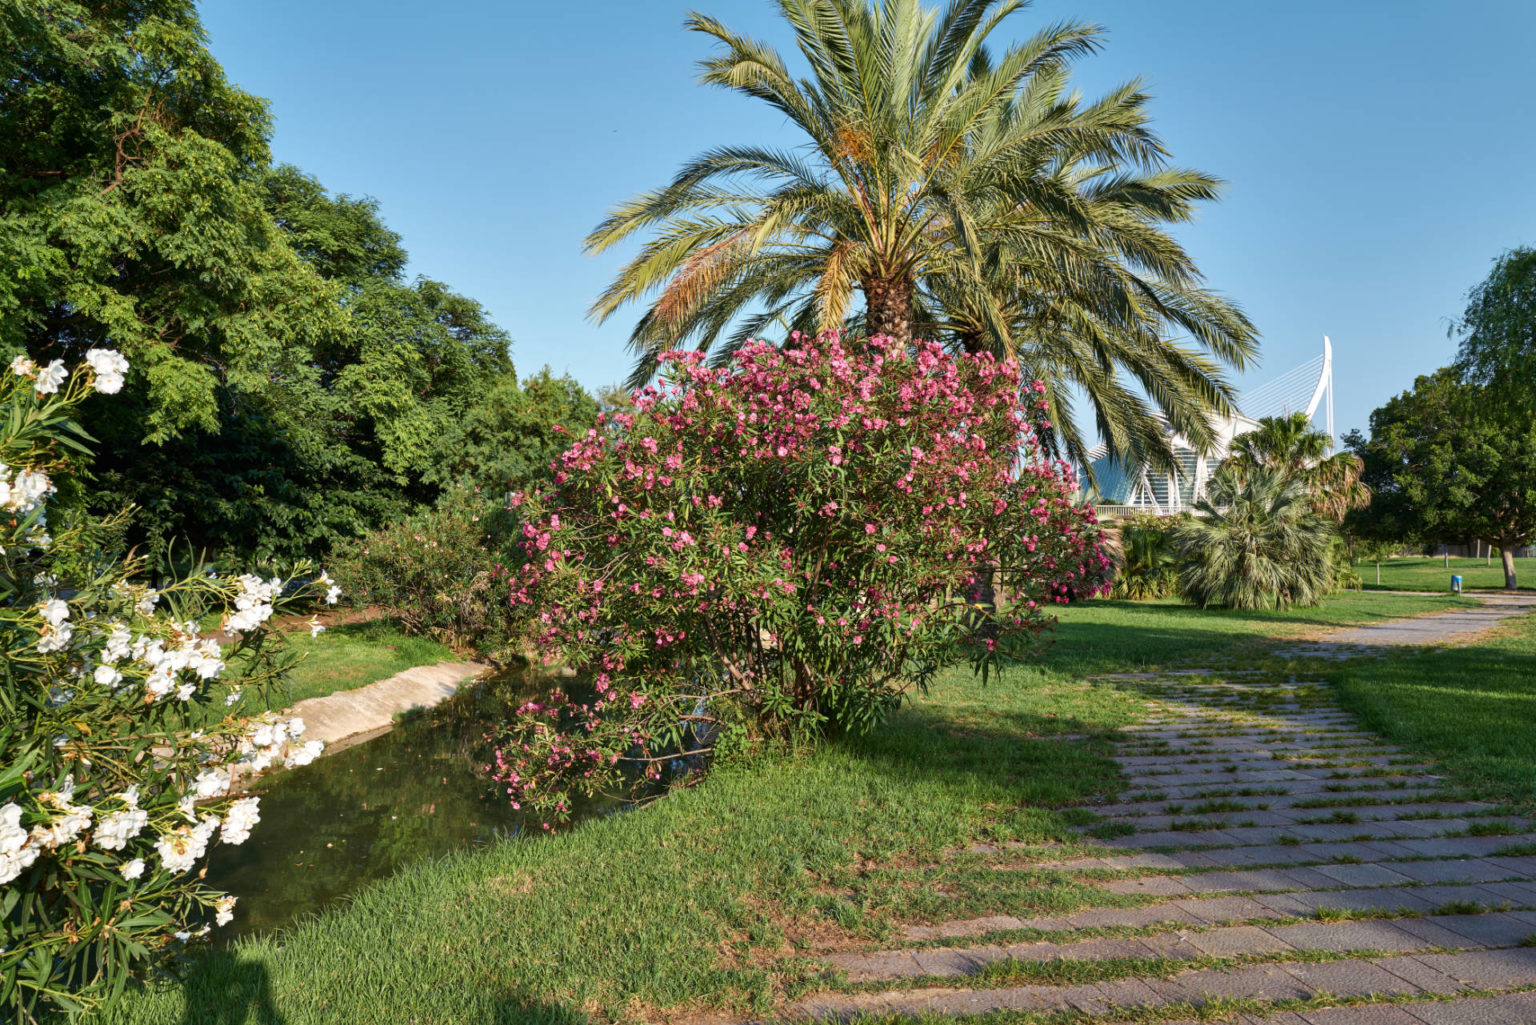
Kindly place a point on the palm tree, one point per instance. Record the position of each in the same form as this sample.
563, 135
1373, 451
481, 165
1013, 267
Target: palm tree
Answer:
1290, 445
968, 195
1148, 566
1254, 543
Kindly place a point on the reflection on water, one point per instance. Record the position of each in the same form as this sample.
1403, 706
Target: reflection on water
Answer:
363, 813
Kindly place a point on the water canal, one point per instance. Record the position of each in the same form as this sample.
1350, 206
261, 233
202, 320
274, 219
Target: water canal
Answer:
364, 813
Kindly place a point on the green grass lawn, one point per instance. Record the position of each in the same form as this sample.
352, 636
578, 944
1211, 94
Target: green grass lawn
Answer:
1105, 636
702, 900
1431, 574
1472, 707
345, 657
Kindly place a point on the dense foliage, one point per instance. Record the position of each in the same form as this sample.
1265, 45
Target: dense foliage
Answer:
1255, 543
1147, 562
966, 194
1498, 330
120, 722
1452, 461
784, 544
291, 387
441, 572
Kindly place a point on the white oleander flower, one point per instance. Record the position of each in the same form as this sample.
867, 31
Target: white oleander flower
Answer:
54, 611
115, 830
133, 869
107, 676
110, 366
51, 377
238, 822
55, 638
23, 367
226, 910
211, 783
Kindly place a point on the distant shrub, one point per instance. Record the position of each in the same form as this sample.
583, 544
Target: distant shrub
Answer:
440, 573
1258, 544
1146, 565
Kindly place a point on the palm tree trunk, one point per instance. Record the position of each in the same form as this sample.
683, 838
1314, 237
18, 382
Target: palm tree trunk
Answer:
888, 306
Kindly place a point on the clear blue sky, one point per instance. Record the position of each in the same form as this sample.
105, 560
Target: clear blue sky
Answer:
1378, 153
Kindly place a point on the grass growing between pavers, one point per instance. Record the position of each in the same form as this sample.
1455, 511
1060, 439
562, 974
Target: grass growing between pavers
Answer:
716, 897
1431, 574
1473, 708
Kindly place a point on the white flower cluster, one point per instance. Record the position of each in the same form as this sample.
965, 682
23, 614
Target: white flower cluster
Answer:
57, 630
17, 853
115, 830
253, 605
275, 741
24, 492
203, 657
109, 366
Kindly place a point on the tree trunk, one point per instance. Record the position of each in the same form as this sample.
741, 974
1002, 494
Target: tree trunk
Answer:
888, 306
1507, 556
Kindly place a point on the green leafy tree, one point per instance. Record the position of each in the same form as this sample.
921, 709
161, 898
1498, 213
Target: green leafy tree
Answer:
507, 440
1498, 329
1255, 543
131, 211
1454, 462
959, 193
1148, 565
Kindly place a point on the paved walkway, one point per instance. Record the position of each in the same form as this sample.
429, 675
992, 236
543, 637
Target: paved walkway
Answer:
1269, 858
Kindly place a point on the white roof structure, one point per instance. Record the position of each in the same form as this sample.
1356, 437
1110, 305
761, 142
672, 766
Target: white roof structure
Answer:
1127, 489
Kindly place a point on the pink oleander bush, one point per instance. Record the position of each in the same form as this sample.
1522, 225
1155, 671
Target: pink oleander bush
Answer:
780, 546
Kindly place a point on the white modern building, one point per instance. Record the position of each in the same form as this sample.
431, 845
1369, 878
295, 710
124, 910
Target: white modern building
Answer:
1122, 489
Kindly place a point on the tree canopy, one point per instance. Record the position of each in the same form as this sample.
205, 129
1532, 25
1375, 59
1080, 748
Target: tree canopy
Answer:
290, 385
1450, 462
1498, 329
964, 193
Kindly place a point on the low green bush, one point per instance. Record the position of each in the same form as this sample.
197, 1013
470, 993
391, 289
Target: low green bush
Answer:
1147, 563
441, 574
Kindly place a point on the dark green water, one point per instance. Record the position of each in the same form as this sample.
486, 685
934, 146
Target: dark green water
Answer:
362, 814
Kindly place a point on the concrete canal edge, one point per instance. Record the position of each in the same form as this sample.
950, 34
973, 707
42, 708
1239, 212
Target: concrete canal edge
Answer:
350, 717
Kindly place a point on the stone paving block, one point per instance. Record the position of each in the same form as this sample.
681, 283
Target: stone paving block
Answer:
964, 927
951, 961
884, 964
1361, 1014
1364, 875
1446, 893
1371, 934
1492, 930
1211, 910
1155, 914
1412, 969
1350, 978
1258, 982
1456, 870
1366, 900
1238, 939
1432, 934
1121, 995
1509, 1009
1516, 867
1462, 846
1252, 879
1488, 969
1157, 886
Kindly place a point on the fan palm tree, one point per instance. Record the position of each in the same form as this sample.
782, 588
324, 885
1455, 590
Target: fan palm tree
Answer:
970, 195
1290, 445
1255, 543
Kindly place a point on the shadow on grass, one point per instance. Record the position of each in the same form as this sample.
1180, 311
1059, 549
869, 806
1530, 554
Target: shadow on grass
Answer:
225, 989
